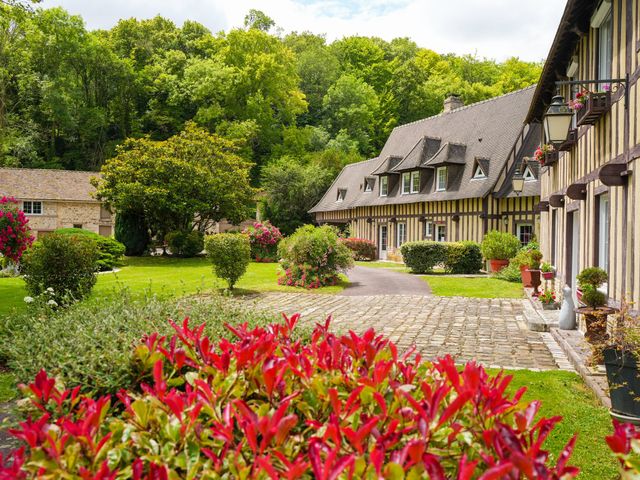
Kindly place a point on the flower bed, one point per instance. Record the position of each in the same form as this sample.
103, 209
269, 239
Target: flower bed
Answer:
264, 239
266, 406
15, 235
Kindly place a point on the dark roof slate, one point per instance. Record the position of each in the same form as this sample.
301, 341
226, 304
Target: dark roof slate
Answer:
486, 130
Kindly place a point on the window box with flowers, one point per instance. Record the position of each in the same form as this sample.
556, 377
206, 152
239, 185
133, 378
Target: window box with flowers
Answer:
546, 155
590, 106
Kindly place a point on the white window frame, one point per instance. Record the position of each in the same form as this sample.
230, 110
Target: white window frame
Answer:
341, 194
428, 229
415, 175
528, 175
401, 238
30, 210
440, 227
603, 231
384, 186
406, 183
519, 231
479, 173
439, 187
605, 48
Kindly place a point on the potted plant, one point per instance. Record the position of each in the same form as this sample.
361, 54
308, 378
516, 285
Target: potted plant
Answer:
595, 310
546, 154
621, 357
548, 272
498, 248
548, 300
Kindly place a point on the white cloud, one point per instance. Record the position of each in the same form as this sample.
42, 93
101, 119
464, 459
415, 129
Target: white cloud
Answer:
490, 28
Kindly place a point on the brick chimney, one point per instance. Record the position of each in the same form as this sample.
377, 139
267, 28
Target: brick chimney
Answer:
452, 102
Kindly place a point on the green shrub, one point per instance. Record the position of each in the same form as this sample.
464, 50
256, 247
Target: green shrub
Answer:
589, 280
65, 263
511, 273
90, 344
131, 230
109, 249
312, 257
528, 257
230, 254
421, 257
185, 244
499, 245
463, 258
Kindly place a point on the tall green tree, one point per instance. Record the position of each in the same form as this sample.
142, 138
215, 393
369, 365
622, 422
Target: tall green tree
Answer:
184, 182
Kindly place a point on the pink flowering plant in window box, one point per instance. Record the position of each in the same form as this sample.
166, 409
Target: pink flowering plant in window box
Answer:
264, 239
15, 235
268, 406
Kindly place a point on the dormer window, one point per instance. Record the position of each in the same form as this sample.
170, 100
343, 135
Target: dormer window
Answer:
415, 182
384, 186
342, 193
406, 183
441, 179
368, 184
528, 175
410, 182
479, 173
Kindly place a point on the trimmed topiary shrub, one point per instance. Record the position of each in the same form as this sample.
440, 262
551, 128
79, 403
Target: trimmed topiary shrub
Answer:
131, 230
267, 407
65, 263
264, 239
15, 235
312, 257
499, 245
421, 257
463, 258
230, 254
110, 250
185, 244
363, 250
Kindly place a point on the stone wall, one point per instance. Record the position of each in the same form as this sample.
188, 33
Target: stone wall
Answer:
88, 215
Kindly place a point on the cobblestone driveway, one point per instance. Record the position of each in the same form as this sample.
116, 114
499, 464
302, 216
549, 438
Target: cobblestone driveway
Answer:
491, 331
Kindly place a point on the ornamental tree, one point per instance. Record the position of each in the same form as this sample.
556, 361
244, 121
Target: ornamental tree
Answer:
190, 180
15, 235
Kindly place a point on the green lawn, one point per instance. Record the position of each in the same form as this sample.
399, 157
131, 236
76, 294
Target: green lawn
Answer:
474, 287
7, 387
564, 394
166, 276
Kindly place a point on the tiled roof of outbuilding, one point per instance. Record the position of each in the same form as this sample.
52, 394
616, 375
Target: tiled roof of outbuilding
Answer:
487, 130
44, 184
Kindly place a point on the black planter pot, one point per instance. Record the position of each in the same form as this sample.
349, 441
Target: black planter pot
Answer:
624, 384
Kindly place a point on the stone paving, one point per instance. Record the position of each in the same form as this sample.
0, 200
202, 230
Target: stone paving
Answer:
491, 331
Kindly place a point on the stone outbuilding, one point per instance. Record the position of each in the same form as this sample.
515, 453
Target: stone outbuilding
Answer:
54, 199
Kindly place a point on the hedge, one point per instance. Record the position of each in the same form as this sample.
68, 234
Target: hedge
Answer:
110, 250
455, 257
363, 250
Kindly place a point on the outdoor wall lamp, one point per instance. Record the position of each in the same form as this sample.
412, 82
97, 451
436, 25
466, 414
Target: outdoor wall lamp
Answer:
517, 182
557, 121
505, 219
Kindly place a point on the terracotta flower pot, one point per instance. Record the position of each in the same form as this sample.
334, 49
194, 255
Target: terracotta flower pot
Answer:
535, 281
525, 275
497, 265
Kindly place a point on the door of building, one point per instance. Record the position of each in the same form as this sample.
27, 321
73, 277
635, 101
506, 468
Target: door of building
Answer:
382, 242
441, 233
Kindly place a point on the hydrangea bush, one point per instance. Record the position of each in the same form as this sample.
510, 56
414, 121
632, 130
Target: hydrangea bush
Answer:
268, 407
312, 257
264, 239
15, 235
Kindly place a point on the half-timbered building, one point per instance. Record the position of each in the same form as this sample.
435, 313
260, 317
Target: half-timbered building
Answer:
444, 178
591, 191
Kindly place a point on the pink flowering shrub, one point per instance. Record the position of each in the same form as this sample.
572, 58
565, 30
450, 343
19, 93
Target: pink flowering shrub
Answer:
15, 235
264, 239
363, 250
268, 407
625, 445
312, 257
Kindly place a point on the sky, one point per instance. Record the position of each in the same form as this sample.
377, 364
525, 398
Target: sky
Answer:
495, 29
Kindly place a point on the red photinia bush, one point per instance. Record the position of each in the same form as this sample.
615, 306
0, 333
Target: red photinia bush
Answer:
264, 239
625, 445
15, 235
363, 250
268, 407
